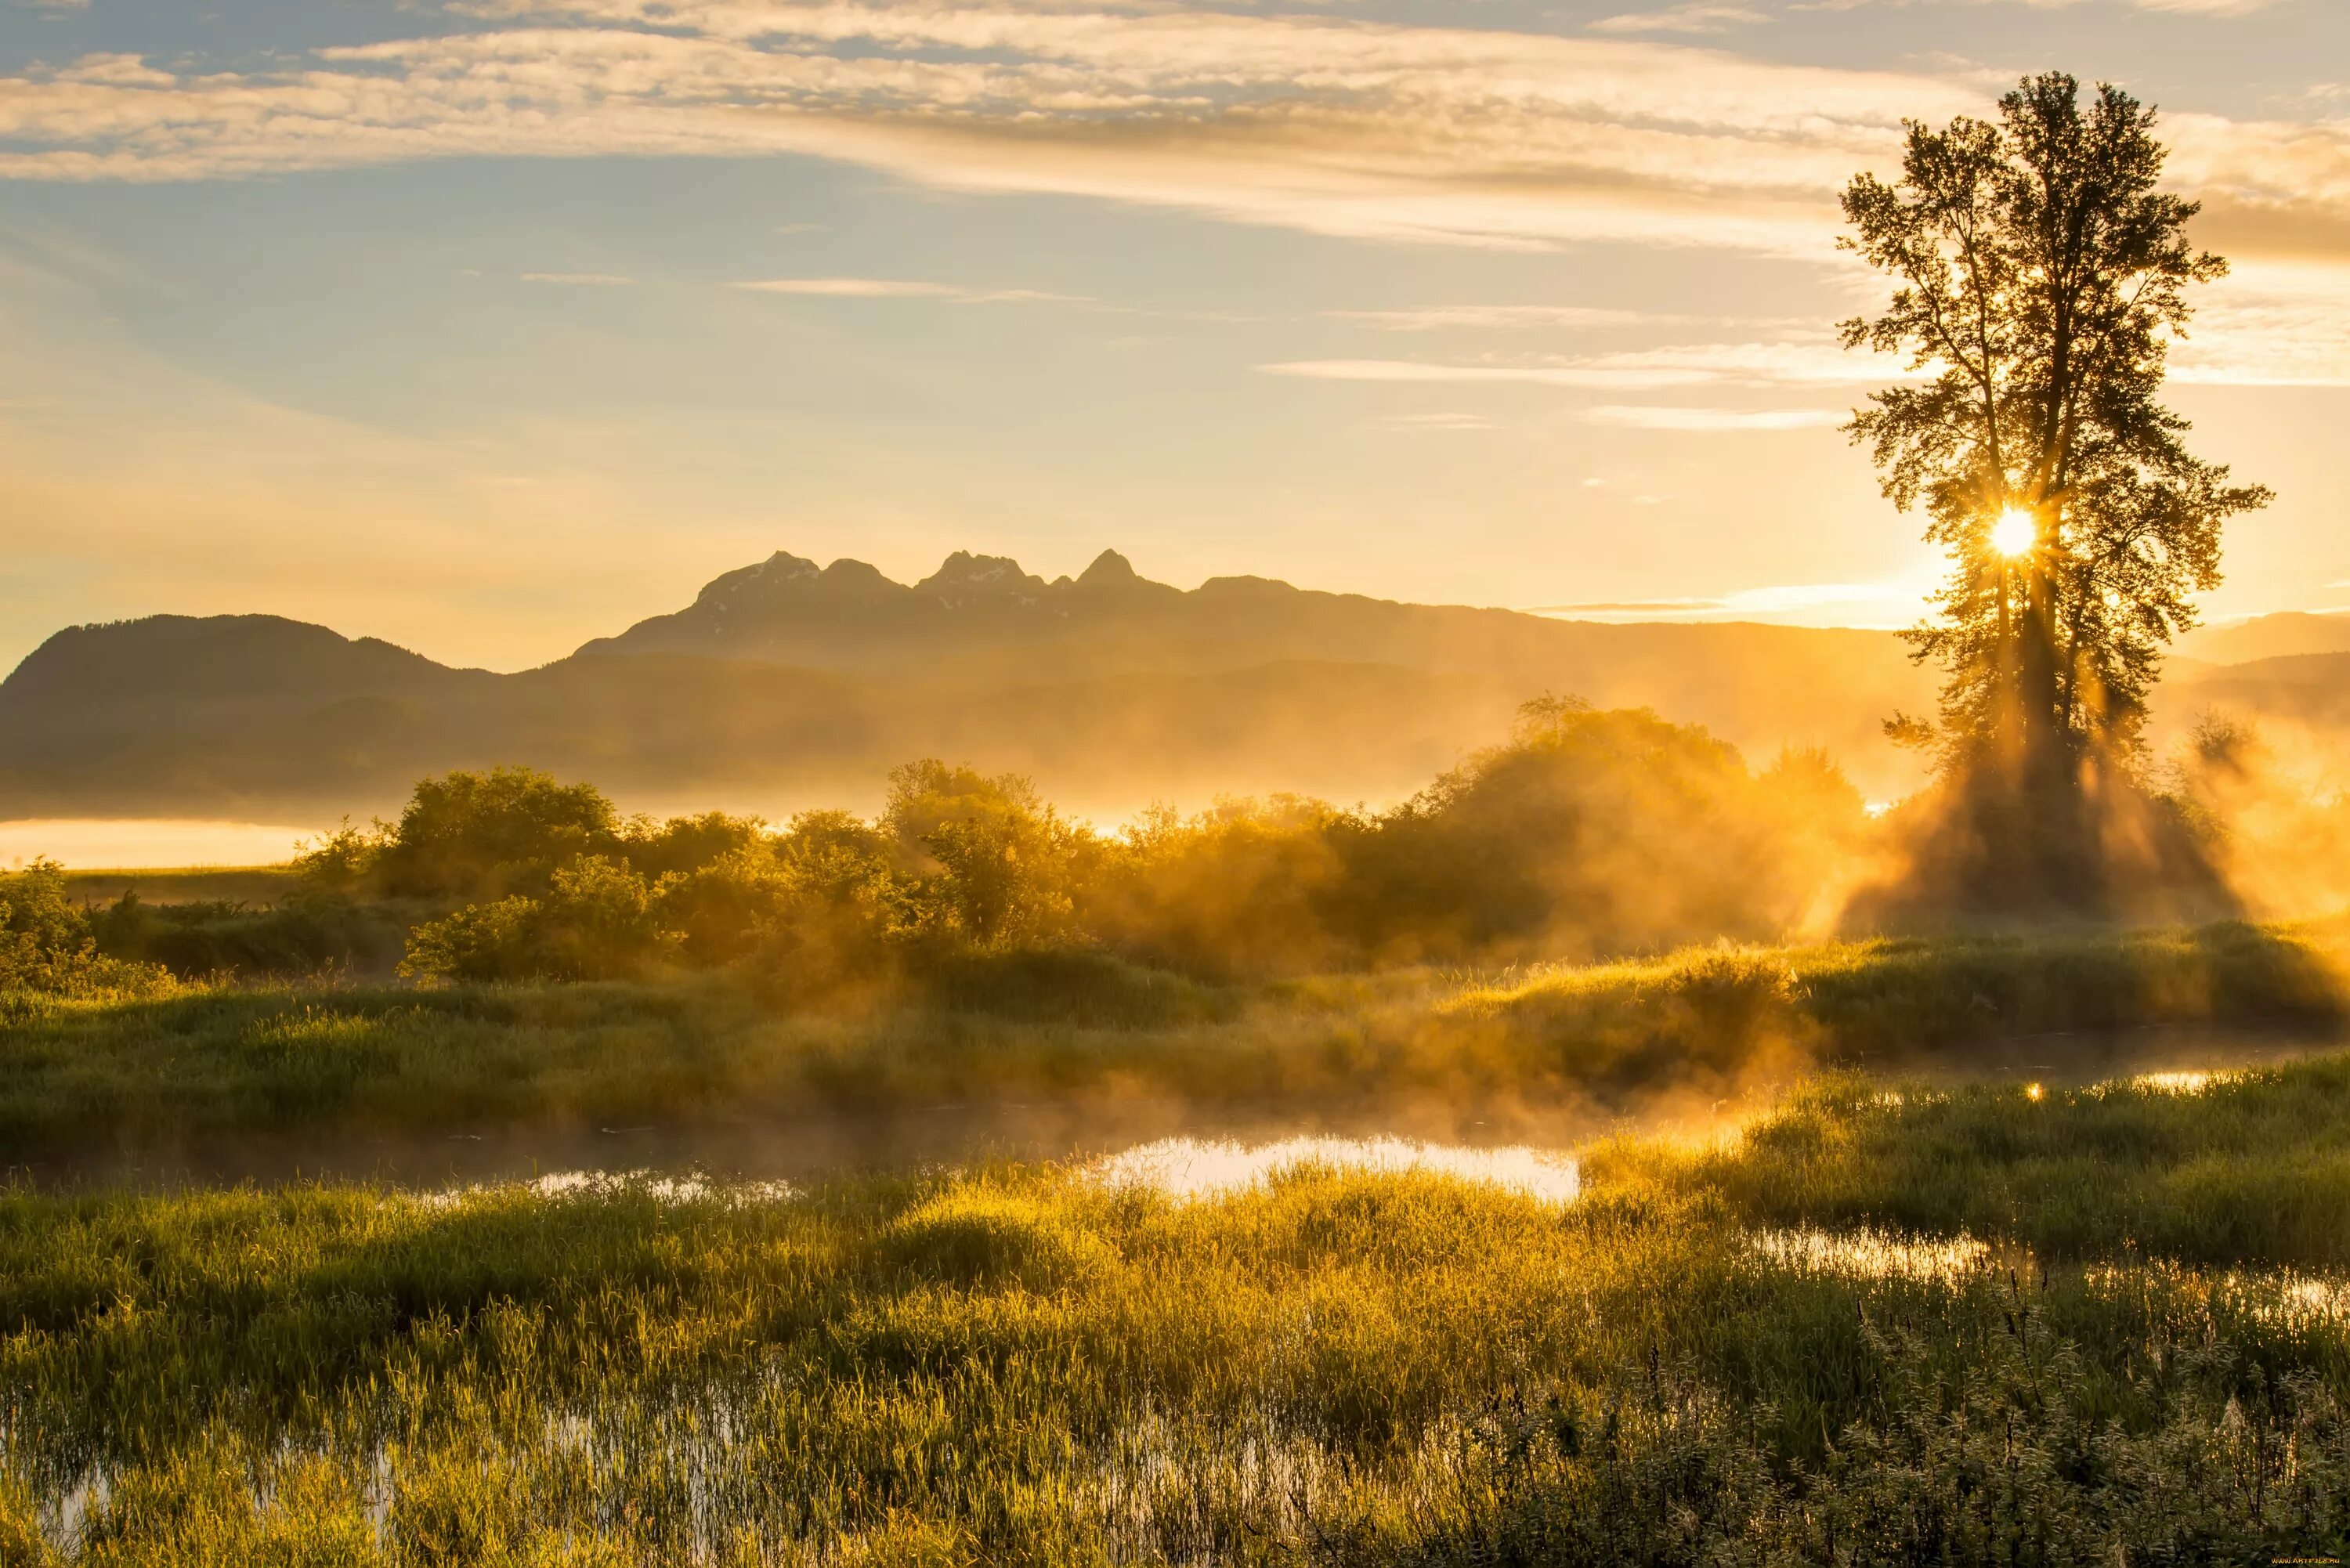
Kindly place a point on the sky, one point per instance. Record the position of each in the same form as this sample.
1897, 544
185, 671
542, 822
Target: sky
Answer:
490, 326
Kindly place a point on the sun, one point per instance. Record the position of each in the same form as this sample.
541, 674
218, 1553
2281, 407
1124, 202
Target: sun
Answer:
2015, 532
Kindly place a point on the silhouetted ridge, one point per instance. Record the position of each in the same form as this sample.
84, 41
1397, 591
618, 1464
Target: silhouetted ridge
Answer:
776, 573
1109, 569
963, 578
172, 656
784, 681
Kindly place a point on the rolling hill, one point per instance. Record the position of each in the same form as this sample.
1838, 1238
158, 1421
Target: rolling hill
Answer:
786, 684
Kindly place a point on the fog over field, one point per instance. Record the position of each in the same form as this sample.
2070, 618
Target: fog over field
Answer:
937, 784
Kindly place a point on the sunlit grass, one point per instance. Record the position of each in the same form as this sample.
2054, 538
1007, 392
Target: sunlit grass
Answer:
1705, 1023
1027, 1364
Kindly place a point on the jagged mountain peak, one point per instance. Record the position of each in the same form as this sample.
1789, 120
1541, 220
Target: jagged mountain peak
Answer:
1109, 569
759, 581
963, 578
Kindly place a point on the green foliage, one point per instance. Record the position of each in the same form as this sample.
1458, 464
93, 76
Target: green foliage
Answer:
1235, 890
684, 844
597, 920
46, 943
310, 932
993, 863
1591, 833
2041, 276
504, 831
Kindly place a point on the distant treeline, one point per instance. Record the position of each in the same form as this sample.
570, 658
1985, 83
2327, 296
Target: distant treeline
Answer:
1589, 833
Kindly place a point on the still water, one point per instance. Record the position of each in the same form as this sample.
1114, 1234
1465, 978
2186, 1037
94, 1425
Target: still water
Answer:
1182, 1148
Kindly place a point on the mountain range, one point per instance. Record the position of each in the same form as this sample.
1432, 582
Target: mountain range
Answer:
786, 684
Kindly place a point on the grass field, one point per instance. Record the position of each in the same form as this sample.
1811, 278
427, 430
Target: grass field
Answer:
256, 885
1740, 1354
1899, 1318
229, 1061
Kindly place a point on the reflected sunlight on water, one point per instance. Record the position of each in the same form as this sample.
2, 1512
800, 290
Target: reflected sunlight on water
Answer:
1872, 1254
2178, 1083
666, 1190
1197, 1168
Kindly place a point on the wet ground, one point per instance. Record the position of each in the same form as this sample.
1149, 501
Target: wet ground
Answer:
1190, 1145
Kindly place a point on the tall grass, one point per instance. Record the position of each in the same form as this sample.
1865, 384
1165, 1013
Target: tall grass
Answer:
1018, 1365
2252, 1167
136, 1071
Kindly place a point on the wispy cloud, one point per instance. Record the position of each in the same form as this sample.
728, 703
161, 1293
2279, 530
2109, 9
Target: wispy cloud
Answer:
1697, 418
1673, 365
2272, 324
1332, 125
1439, 422
2219, 8
1901, 598
1422, 370
906, 288
1328, 124
1428, 318
579, 279
1697, 17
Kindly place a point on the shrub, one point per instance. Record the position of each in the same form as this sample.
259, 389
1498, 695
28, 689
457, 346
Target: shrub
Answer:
1591, 833
684, 844
310, 931
472, 835
46, 943
994, 864
1233, 891
598, 920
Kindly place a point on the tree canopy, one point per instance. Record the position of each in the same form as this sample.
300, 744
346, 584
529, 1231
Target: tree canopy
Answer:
2041, 274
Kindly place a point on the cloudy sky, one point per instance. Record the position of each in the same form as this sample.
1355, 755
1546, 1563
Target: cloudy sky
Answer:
488, 326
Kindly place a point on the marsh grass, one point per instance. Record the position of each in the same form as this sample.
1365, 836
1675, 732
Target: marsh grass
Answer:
2252, 1167
137, 1071
1889, 1322
1018, 1365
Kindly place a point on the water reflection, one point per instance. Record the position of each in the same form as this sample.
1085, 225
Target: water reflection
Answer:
1873, 1255
1197, 1168
667, 1189
2178, 1082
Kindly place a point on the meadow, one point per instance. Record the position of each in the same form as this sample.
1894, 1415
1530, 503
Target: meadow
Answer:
1875, 1328
224, 1062
1876, 1250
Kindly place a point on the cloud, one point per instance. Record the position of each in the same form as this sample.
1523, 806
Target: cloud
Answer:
1902, 597
581, 279
1421, 371
1327, 124
1330, 125
906, 288
2217, 8
1697, 17
1687, 419
1505, 317
2271, 324
1816, 363
1440, 422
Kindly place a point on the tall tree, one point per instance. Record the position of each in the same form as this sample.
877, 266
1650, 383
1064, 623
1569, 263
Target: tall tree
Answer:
2040, 276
